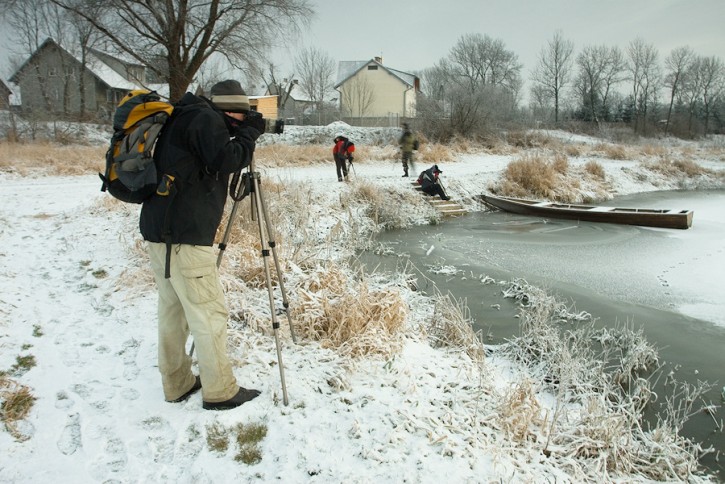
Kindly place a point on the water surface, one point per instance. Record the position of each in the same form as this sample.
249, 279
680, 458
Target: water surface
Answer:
670, 283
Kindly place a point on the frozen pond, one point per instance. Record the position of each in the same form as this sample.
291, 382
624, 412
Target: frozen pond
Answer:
671, 283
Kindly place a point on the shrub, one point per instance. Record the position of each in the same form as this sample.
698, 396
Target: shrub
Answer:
615, 152
17, 401
594, 168
531, 174
343, 312
560, 163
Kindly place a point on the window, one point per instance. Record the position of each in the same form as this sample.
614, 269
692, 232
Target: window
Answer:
373, 68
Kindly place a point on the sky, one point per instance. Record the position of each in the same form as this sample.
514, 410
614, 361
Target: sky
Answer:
427, 415
414, 35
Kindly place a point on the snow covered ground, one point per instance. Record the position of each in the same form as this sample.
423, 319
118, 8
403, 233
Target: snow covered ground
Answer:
72, 296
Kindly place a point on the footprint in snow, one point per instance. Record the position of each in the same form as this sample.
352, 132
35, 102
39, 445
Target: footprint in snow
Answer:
128, 355
111, 462
159, 443
70, 437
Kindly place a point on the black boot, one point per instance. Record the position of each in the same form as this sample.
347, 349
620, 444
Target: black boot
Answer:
194, 388
242, 396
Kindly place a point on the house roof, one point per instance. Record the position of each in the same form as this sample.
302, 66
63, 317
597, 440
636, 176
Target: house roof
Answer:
296, 93
5, 88
96, 65
347, 69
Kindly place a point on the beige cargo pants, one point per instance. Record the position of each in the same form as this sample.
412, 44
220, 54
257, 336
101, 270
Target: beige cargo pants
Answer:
192, 300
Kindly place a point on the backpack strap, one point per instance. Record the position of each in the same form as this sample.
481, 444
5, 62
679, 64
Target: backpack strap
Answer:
166, 231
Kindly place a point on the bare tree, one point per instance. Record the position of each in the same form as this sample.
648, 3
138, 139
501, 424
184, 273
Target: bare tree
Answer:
316, 73
480, 60
713, 85
86, 37
676, 64
357, 96
600, 68
692, 89
187, 32
279, 86
645, 75
32, 24
476, 85
553, 71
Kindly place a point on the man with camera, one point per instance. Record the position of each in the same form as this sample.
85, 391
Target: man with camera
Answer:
202, 144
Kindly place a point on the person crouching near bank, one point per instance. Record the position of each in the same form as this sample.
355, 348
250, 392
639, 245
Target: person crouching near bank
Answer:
431, 184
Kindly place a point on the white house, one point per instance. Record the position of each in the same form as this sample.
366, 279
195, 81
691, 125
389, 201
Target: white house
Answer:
373, 94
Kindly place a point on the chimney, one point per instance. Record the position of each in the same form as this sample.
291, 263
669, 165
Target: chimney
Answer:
379, 60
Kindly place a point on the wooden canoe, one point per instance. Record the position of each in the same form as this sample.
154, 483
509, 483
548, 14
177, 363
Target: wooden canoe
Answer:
670, 219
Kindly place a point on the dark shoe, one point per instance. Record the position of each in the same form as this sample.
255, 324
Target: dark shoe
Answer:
195, 388
242, 396
405, 175
339, 179
445, 198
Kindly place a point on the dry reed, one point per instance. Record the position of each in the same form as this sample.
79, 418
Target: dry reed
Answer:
51, 159
345, 313
17, 401
452, 327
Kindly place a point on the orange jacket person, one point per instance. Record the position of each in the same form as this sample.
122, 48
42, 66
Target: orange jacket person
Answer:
342, 152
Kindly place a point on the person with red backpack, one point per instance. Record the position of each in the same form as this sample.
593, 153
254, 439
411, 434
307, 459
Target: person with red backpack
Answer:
430, 183
342, 153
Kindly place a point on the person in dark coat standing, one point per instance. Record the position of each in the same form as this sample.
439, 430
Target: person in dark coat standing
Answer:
430, 183
342, 153
408, 143
202, 143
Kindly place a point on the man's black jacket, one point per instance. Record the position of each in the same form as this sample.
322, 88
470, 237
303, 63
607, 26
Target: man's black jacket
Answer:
196, 148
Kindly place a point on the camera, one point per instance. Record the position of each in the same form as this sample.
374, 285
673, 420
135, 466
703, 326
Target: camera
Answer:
274, 126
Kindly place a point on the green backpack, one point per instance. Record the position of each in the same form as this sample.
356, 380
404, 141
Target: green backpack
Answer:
131, 174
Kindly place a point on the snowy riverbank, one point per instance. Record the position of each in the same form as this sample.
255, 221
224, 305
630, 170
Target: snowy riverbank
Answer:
75, 295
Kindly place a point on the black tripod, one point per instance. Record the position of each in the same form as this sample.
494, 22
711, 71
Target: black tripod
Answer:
250, 185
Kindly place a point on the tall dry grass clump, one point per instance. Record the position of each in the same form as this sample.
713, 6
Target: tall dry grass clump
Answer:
434, 154
529, 175
51, 159
677, 168
613, 152
275, 155
16, 401
452, 327
385, 206
560, 163
343, 312
595, 169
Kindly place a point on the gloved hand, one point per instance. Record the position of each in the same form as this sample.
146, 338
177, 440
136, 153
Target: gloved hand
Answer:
247, 132
350, 158
254, 120
247, 136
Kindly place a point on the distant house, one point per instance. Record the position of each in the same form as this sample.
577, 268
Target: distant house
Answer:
55, 81
266, 105
293, 103
5, 93
373, 94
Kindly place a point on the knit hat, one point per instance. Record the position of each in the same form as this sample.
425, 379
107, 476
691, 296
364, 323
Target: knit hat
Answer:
436, 169
229, 96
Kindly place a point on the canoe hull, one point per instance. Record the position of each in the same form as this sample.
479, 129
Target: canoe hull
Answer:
671, 219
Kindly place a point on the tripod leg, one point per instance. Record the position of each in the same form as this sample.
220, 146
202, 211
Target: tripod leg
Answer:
265, 254
273, 246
